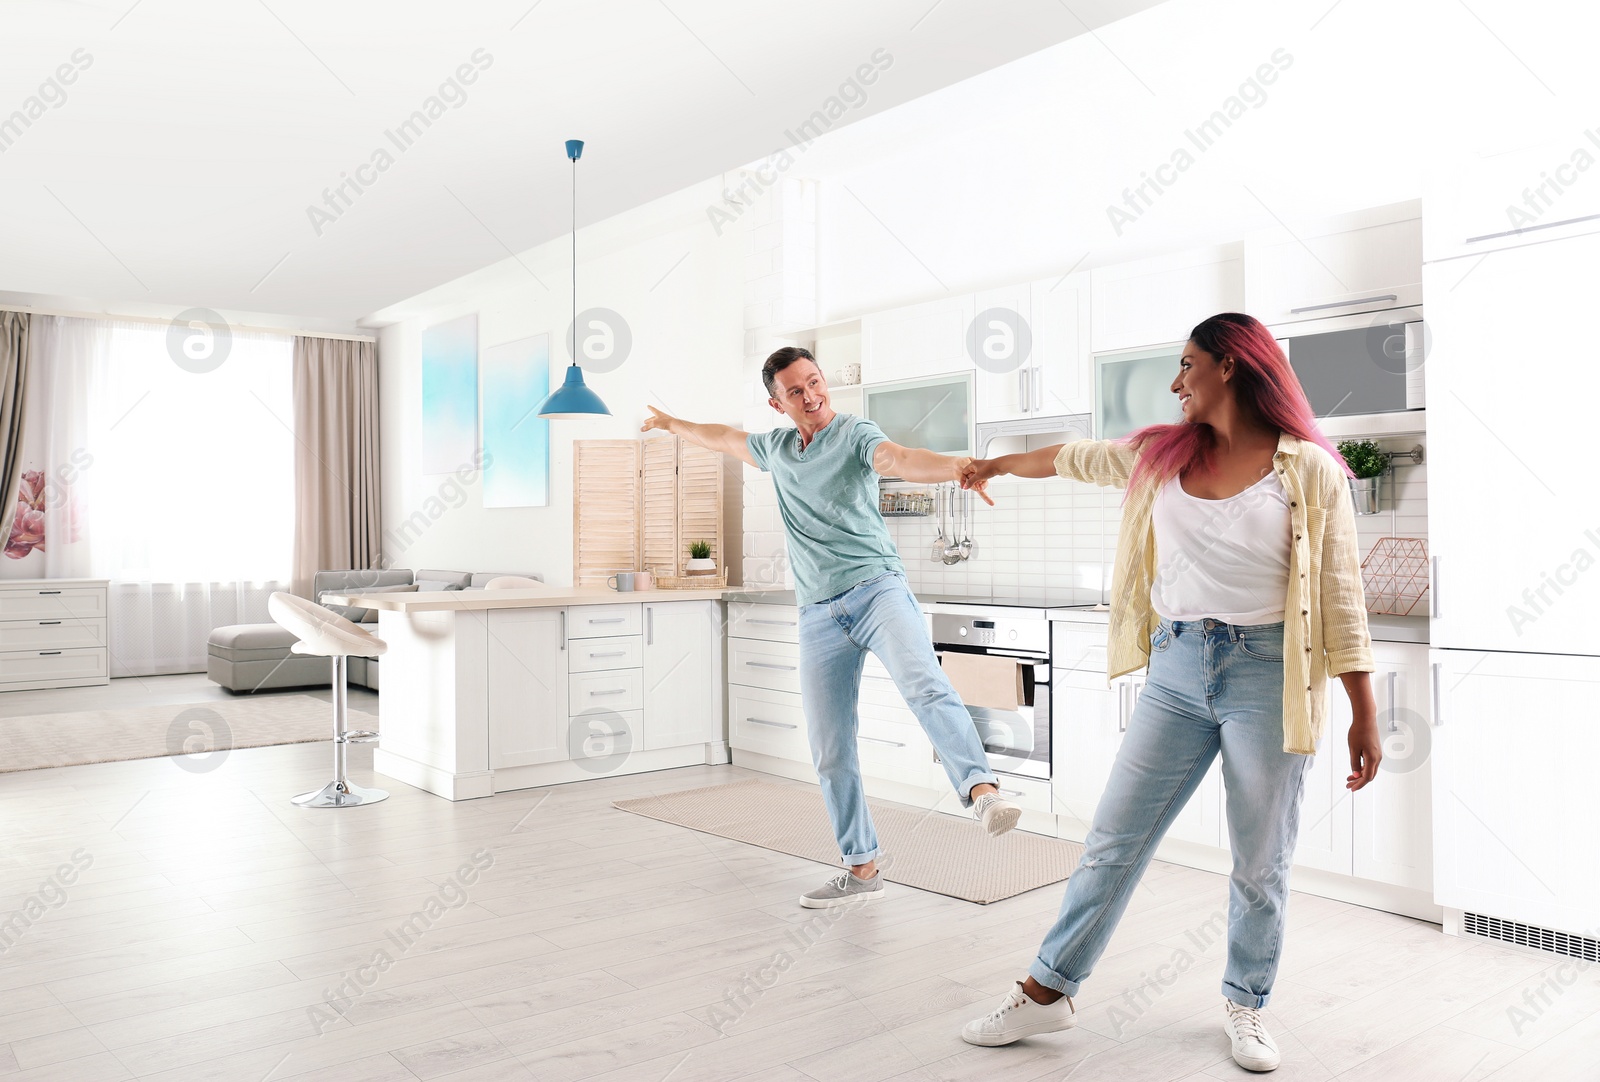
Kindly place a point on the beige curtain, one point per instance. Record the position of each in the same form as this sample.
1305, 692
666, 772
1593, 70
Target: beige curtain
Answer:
337, 525
13, 381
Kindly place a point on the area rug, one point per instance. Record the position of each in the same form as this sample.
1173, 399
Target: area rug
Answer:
145, 732
928, 850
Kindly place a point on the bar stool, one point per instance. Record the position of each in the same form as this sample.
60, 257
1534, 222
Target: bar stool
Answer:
321, 631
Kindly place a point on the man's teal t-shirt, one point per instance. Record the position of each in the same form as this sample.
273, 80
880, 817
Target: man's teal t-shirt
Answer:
828, 499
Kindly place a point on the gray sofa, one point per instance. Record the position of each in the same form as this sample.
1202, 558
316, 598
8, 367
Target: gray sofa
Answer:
256, 657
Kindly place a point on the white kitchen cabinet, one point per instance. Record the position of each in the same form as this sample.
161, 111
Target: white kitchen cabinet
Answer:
1063, 375
527, 687
764, 663
682, 673
1511, 523
1202, 820
767, 722
1363, 262
1088, 722
1523, 196
1327, 813
1515, 807
928, 339
1006, 354
1152, 302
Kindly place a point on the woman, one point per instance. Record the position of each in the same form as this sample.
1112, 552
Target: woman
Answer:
1237, 580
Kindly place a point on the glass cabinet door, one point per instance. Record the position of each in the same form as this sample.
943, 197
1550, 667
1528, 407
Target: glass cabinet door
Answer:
931, 413
1133, 388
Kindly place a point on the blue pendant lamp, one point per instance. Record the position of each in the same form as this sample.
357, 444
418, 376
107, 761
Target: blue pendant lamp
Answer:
573, 400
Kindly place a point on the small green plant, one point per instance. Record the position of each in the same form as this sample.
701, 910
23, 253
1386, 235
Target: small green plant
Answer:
699, 550
1365, 458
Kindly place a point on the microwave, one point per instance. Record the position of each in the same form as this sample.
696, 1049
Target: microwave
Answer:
1359, 364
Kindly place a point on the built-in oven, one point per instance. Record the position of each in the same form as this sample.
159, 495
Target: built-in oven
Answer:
1016, 739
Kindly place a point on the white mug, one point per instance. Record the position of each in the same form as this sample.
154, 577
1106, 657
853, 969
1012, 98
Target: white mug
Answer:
643, 580
622, 582
850, 374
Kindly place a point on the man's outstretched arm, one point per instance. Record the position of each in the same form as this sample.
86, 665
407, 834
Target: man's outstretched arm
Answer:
723, 438
917, 464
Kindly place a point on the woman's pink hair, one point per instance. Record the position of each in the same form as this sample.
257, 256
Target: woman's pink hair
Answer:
1266, 387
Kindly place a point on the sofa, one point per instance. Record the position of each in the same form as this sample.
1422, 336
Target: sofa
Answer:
257, 657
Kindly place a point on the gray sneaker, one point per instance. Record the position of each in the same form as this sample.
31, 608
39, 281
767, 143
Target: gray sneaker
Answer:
996, 813
843, 889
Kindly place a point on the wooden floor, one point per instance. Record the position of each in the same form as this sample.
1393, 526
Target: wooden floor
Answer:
215, 931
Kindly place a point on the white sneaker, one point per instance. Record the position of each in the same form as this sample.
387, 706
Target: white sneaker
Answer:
1253, 1047
1018, 1017
996, 813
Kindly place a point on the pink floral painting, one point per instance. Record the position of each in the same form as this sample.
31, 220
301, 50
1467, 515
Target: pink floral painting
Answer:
27, 528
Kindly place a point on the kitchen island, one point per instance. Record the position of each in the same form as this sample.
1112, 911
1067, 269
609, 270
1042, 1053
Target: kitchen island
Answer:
490, 690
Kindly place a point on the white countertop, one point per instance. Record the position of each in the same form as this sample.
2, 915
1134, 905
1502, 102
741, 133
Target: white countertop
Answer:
533, 598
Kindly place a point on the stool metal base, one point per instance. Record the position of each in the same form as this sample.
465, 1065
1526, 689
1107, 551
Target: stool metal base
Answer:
340, 794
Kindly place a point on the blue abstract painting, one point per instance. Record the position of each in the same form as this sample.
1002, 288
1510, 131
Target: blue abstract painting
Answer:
450, 395
516, 441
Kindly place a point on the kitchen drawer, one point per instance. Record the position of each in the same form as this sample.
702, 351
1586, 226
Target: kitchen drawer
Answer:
597, 621
615, 689
593, 655
604, 738
779, 623
53, 634
1078, 646
769, 722
878, 690
51, 664
896, 752
756, 663
44, 603
1031, 794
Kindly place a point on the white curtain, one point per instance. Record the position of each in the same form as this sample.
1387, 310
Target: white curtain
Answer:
181, 484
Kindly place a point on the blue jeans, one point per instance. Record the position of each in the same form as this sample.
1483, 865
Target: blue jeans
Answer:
1211, 687
880, 615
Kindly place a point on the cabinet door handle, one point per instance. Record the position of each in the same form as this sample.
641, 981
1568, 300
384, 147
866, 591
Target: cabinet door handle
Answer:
774, 724
563, 629
1024, 398
609, 691
777, 623
1530, 228
1122, 707
609, 653
1394, 706
1438, 697
1433, 585
649, 626
880, 740
1343, 304
769, 665
1038, 387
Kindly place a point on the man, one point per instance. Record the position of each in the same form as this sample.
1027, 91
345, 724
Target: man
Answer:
851, 589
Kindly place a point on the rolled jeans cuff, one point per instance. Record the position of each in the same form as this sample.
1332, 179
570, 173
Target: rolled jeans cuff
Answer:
1051, 979
977, 777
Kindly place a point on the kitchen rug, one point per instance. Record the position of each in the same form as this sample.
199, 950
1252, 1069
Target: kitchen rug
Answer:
146, 732
925, 849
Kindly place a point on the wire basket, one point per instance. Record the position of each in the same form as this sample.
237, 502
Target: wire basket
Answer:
1395, 575
715, 580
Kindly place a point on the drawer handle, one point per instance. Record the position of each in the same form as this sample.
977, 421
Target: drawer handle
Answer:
610, 653
881, 740
48, 623
48, 653
774, 724
1531, 228
775, 623
614, 736
611, 620
42, 593
1010, 792
770, 665
1343, 304
612, 691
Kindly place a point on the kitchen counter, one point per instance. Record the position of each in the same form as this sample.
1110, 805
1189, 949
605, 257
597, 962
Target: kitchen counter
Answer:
760, 596
533, 598
1382, 628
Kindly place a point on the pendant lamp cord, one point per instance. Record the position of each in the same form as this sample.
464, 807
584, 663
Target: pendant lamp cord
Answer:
574, 346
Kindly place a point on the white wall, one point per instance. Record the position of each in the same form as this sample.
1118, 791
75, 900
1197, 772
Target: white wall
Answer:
680, 288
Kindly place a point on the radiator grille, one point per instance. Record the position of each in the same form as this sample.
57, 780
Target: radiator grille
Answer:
1531, 936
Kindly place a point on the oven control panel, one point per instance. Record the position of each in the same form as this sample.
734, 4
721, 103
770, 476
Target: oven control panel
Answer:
1032, 636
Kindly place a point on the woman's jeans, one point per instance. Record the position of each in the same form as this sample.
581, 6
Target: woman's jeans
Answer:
1211, 687
880, 615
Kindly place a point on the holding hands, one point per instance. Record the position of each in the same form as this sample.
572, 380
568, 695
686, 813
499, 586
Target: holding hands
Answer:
974, 473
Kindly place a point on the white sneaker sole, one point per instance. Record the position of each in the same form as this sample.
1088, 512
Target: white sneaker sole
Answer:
994, 1040
1250, 1064
829, 903
1001, 820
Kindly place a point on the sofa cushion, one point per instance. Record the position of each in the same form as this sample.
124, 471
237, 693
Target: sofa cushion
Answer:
357, 580
443, 580
251, 637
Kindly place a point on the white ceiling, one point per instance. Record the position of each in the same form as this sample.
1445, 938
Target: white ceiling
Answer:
179, 167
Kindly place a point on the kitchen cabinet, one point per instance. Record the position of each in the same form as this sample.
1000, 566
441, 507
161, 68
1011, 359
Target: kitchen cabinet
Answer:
933, 413
682, 673
1363, 262
1005, 354
1516, 811
1089, 720
765, 715
527, 687
925, 339
1511, 526
1384, 833
1152, 302
1524, 196
1056, 375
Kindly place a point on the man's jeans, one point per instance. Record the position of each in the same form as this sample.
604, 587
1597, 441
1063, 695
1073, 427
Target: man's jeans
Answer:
1212, 687
880, 615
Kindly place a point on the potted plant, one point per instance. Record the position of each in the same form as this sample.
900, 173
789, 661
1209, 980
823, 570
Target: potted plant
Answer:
700, 561
1369, 463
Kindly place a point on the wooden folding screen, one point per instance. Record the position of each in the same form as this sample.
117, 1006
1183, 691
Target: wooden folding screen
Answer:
638, 504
